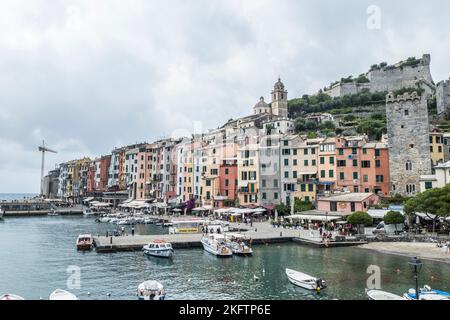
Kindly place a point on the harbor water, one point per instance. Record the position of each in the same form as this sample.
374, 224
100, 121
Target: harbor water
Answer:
38, 255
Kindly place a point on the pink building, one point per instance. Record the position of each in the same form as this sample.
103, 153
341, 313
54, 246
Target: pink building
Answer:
347, 202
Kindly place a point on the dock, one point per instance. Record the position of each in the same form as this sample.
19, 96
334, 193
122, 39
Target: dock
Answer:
259, 234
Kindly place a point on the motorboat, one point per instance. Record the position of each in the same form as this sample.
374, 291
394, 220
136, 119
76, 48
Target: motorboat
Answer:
159, 248
236, 242
10, 296
215, 244
151, 290
88, 212
84, 242
1, 213
383, 295
60, 294
305, 281
426, 293
53, 213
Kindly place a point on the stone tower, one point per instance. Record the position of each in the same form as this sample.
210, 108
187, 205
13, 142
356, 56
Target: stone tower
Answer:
409, 144
443, 97
279, 100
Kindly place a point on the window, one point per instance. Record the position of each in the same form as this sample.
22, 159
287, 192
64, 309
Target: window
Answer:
305, 163
333, 206
331, 173
428, 185
322, 173
365, 178
341, 151
341, 163
286, 162
408, 165
310, 187
406, 112
275, 183
331, 160
208, 183
380, 178
286, 174
365, 164
355, 163
285, 142
226, 171
313, 162
294, 174
341, 176
275, 195
377, 163
377, 152
227, 182
303, 187
295, 162
354, 151
263, 182
322, 160
313, 151
264, 196
364, 151
355, 175
294, 152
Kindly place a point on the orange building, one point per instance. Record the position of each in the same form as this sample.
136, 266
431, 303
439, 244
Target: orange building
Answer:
362, 166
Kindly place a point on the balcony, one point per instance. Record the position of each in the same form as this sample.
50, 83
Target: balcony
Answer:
247, 190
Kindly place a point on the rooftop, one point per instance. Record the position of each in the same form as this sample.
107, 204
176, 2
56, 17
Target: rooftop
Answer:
356, 197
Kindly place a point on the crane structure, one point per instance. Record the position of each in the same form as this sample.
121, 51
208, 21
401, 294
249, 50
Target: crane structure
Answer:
43, 149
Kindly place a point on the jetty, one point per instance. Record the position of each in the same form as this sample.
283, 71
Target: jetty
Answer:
258, 234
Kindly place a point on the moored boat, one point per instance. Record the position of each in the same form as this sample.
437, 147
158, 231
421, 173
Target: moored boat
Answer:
60, 294
10, 296
215, 244
84, 242
151, 290
305, 281
236, 242
382, 295
159, 248
426, 293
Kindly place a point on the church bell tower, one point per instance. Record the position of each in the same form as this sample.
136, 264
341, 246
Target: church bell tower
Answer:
279, 100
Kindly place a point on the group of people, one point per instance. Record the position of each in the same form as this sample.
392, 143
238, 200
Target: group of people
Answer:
445, 245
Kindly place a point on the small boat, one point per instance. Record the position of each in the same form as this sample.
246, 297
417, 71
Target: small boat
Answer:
382, 295
305, 281
426, 293
237, 244
60, 294
84, 242
151, 290
10, 296
89, 212
215, 244
159, 248
53, 213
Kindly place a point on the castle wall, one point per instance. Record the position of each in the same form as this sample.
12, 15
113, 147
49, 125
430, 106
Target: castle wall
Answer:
408, 136
400, 77
443, 96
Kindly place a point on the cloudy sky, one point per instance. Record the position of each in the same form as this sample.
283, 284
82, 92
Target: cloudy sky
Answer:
87, 76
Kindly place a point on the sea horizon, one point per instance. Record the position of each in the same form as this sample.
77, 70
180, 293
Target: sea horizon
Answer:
16, 196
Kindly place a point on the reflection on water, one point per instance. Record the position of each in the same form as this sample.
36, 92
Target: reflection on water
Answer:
35, 253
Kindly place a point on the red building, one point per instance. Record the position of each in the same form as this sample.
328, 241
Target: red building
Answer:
227, 183
105, 162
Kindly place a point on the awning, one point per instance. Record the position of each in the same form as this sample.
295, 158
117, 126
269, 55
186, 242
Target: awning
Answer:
312, 217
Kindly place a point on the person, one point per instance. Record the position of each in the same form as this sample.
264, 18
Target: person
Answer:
320, 231
132, 231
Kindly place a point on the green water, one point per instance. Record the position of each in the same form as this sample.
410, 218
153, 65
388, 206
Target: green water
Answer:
35, 254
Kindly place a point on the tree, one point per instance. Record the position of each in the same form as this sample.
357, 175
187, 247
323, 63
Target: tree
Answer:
394, 217
434, 203
301, 206
282, 209
300, 125
360, 218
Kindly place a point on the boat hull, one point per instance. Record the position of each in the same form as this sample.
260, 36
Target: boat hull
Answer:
208, 248
160, 253
304, 281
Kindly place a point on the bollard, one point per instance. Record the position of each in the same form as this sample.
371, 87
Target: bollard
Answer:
110, 240
281, 233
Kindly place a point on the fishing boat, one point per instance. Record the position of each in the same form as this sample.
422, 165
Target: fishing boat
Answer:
151, 290
305, 281
426, 293
236, 242
10, 296
84, 242
159, 248
382, 295
60, 294
215, 244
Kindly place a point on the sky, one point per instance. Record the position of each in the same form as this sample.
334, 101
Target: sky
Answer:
88, 76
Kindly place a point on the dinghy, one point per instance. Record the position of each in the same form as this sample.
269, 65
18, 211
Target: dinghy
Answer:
60, 294
159, 248
305, 281
382, 295
11, 297
151, 290
426, 293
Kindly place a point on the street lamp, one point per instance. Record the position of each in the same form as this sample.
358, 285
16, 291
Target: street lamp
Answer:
415, 265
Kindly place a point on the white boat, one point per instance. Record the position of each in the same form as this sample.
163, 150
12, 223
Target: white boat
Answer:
215, 244
88, 212
159, 248
84, 242
10, 296
60, 294
305, 281
426, 293
236, 242
383, 295
151, 290
53, 213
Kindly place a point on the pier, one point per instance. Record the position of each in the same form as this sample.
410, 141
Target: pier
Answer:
259, 234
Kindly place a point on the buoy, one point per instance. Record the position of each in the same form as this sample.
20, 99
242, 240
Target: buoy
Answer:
88, 293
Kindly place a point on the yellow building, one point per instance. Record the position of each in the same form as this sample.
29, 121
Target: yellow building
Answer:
436, 148
327, 164
248, 170
305, 168
188, 172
